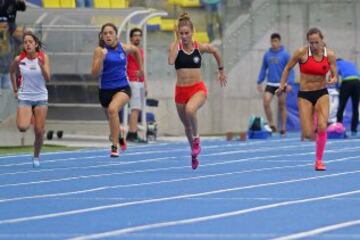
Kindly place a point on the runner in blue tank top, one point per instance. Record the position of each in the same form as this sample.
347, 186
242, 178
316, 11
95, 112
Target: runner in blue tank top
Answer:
109, 64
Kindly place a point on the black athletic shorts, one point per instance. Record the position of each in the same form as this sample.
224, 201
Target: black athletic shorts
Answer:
271, 89
106, 95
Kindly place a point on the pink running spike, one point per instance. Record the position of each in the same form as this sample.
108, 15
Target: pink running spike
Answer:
194, 162
196, 149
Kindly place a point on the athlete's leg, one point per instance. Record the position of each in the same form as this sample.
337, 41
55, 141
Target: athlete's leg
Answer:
186, 123
118, 101
267, 98
322, 112
23, 117
283, 112
40, 113
306, 114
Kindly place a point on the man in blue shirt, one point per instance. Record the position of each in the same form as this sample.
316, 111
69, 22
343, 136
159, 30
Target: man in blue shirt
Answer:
350, 87
274, 62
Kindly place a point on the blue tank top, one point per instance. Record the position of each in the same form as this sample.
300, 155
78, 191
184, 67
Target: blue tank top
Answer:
114, 75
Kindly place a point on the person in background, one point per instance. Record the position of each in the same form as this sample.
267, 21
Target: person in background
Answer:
213, 18
138, 86
8, 10
350, 87
84, 3
274, 62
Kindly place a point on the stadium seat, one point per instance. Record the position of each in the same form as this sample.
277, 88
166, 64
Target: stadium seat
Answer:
173, 2
102, 4
190, 3
67, 4
201, 37
154, 23
51, 4
59, 4
185, 3
167, 24
111, 3
119, 3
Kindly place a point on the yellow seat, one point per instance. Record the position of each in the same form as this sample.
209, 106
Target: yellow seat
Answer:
201, 37
67, 4
119, 3
173, 2
167, 24
189, 3
51, 4
102, 4
154, 21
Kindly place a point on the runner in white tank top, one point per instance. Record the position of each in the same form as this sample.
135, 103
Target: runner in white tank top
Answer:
29, 73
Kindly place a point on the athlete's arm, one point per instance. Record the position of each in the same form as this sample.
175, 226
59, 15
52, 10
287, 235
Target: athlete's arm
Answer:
207, 48
293, 60
13, 69
98, 59
332, 62
172, 53
137, 54
45, 67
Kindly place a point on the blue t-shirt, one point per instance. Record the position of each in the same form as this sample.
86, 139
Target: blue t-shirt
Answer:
114, 75
347, 70
274, 62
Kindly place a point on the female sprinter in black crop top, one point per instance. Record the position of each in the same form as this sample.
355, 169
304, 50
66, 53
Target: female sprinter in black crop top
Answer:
191, 92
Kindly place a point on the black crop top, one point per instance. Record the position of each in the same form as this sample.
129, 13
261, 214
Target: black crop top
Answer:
185, 60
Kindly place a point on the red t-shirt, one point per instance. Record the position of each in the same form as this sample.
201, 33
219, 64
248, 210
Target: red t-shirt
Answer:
133, 67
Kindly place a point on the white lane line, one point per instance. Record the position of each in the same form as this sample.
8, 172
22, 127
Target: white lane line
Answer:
170, 198
101, 156
121, 163
144, 227
297, 145
168, 168
108, 187
320, 230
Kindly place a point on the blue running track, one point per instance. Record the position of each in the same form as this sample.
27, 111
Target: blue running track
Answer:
242, 190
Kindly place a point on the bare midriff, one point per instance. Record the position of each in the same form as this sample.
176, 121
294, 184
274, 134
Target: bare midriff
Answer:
188, 76
312, 82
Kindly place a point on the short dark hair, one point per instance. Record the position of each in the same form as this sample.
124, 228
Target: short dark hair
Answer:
134, 30
275, 35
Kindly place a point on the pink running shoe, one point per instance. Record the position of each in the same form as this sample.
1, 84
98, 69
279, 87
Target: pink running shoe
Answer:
196, 149
194, 162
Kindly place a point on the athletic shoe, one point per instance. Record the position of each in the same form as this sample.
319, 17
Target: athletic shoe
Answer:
273, 129
114, 151
319, 166
123, 143
194, 162
282, 133
36, 162
196, 149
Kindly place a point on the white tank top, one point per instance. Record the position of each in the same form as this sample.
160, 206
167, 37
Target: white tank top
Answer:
31, 81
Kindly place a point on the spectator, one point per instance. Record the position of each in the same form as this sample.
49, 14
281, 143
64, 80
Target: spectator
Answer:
213, 17
8, 10
350, 87
84, 3
5, 56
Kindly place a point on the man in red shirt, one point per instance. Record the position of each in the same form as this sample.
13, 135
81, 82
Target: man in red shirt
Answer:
137, 84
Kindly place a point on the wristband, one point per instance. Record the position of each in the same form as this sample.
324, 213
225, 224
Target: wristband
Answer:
221, 68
